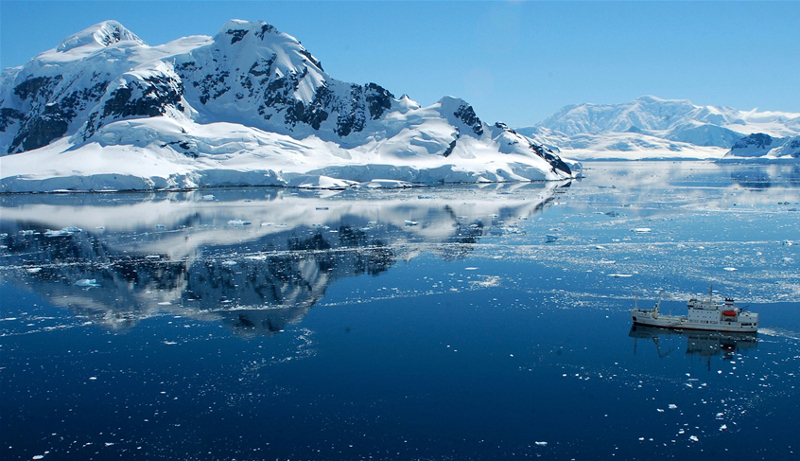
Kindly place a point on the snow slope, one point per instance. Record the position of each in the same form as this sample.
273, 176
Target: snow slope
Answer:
249, 106
650, 127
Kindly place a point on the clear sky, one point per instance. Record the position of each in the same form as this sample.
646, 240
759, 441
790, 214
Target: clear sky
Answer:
515, 62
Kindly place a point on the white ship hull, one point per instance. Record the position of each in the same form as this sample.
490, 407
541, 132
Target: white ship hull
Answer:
644, 317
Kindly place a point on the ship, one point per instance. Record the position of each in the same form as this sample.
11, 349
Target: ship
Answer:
703, 314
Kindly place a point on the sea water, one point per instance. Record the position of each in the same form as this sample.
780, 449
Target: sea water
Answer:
292, 324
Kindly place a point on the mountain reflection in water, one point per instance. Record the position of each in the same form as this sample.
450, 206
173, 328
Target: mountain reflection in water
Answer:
255, 263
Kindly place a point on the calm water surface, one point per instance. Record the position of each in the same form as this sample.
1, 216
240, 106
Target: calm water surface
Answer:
438, 323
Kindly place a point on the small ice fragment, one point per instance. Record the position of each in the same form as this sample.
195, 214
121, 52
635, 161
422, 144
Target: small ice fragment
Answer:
660, 410
551, 238
731, 269
541, 444
238, 222
470, 268
694, 438
723, 427
34, 270
208, 198
411, 223
37, 456
229, 263
265, 224
620, 276
93, 378
165, 303
322, 208
159, 226
170, 343
672, 406
642, 230
87, 283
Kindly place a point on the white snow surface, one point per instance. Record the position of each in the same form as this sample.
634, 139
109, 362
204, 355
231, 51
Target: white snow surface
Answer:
217, 130
655, 128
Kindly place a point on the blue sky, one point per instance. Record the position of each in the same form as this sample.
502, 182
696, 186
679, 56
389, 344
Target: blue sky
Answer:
515, 62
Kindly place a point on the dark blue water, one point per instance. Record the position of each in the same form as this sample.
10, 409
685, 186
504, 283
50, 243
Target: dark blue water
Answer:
331, 327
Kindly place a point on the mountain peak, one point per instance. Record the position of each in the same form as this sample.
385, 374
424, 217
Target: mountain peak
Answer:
102, 34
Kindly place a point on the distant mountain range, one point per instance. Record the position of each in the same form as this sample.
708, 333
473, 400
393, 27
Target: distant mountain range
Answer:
650, 127
249, 106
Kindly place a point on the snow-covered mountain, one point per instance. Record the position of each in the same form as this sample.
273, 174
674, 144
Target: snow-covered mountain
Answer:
249, 106
654, 127
765, 147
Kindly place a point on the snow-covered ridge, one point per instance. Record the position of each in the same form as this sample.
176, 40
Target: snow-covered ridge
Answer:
249, 106
654, 127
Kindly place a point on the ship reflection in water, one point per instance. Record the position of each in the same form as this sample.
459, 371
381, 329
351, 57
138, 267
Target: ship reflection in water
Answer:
703, 344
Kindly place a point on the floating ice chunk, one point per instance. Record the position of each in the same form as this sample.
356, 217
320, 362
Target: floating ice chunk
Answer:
411, 223
551, 238
265, 224
672, 406
37, 456
238, 222
660, 410
34, 270
152, 257
788, 242
541, 444
56, 233
642, 230
322, 208
93, 378
26, 232
165, 303
87, 283
208, 198
170, 343
229, 263
731, 269
426, 196
470, 268
694, 438
620, 276
599, 247
723, 427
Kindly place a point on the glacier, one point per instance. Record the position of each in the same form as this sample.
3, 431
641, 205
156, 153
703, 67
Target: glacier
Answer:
104, 111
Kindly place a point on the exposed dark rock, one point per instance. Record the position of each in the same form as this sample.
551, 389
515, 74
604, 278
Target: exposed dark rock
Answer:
38, 87
758, 140
467, 115
236, 34
8, 116
311, 58
157, 93
450, 148
379, 100
265, 29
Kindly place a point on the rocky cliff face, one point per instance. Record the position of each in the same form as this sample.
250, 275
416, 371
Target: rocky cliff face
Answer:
249, 74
